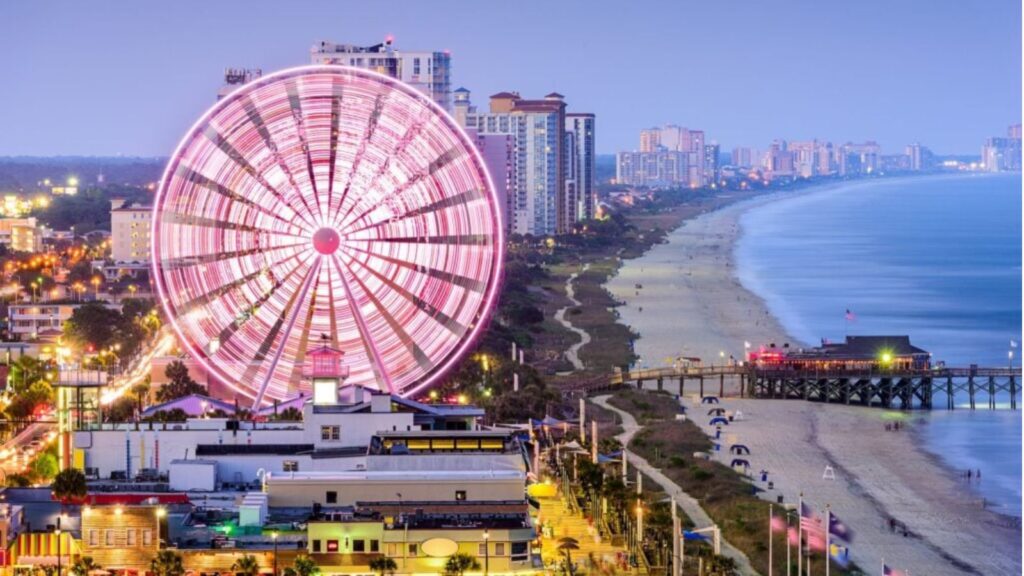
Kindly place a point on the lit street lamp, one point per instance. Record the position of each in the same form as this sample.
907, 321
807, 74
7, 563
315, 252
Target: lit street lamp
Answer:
273, 536
160, 513
487, 552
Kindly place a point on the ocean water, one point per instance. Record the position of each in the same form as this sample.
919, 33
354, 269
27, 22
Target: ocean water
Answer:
937, 258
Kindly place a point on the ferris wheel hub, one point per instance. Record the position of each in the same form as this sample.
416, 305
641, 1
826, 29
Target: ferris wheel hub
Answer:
326, 241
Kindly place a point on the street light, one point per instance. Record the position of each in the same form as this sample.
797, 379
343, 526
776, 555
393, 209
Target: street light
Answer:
58, 545
160, 513
273, 536
487, 552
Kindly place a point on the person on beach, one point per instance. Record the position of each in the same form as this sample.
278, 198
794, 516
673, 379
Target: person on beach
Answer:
969, 474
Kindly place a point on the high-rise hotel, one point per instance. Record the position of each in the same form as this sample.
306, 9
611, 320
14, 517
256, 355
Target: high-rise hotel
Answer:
541, 159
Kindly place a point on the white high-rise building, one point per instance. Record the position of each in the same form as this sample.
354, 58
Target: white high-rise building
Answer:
428, 72
581, 153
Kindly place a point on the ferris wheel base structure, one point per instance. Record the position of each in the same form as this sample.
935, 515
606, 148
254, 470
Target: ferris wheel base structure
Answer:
326, 206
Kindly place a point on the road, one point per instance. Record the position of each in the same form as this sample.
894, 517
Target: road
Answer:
689, 505
162, 345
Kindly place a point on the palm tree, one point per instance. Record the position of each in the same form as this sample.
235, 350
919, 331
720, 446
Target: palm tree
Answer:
247, 565
459, 563
167, 563
567, 545
69, 484
84, 565
304, 566
382, 565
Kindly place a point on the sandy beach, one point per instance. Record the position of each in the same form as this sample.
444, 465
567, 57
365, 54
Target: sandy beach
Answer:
690, 279
879, 475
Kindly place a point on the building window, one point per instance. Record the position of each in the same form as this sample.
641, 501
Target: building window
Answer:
413, 549
332, 545
359, 545
392, 550
520, 550
108, 538
147, 537
316, 545
460, 495
290, 466
330, 433
499, 548
332, 497
94, 538
374, 545
132, 540
481, 549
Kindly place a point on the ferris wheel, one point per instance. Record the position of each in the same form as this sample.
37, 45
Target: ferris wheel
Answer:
326, 204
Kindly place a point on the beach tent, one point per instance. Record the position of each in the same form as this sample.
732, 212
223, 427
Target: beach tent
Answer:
716, 411
709, 400
574, 445
739, 449
552, 422
687, 535
719, 420
739, 462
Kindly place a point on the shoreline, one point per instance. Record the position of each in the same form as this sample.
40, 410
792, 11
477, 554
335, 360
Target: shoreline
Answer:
716, 313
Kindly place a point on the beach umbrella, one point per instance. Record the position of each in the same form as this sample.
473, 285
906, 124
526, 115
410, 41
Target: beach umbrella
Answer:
719, 420
709, 400
739, 449
739, 462
716, 411
687, 535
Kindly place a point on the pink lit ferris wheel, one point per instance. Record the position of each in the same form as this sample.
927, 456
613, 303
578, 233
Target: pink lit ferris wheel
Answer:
326, 204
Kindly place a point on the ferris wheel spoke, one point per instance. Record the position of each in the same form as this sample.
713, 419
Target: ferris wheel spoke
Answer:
451, 324
223, 225
414, 350
214, 257
371, 128
232, 328
331, 308
218, 140
448, 277
300, 121
291, 311
220, 291
435, 165
457, 201
336, 98
256, 119
193, 177
408, 137
379, 369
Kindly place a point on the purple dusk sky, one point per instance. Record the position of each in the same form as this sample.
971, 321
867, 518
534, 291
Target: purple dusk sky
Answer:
103, 78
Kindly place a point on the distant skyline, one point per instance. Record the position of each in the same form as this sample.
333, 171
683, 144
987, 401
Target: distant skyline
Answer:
108, 78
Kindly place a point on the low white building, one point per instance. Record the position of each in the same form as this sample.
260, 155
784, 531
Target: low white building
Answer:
329, 437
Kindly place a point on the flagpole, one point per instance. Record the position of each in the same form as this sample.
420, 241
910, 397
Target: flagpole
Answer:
800, 537
789, 547
770, 538
828, 545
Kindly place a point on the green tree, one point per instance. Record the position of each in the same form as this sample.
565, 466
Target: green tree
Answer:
69, 485
246, 565
167, 563
45, 466
181, 383
80, 272
84, 565
289, 414
383, 565
304, 566
93, 324
24, 404
459, 563
26, 371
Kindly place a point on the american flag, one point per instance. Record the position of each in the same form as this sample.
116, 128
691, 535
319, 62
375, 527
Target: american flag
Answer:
810, 523
850, 316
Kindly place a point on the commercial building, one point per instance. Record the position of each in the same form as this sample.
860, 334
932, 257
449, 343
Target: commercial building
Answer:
742, 158
130, 231
858, 159
235, 77
690, 158
582, 156
535, 181
1003, 154
21, 234
427, 71
40, 320
855, 353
